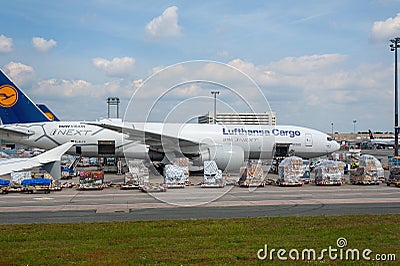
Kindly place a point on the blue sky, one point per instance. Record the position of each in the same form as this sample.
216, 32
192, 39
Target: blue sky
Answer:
316, 62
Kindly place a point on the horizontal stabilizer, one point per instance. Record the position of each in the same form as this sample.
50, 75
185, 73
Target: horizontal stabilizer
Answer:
8, 166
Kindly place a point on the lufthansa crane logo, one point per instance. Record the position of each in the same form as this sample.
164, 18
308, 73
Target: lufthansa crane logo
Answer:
49, 116
8, 96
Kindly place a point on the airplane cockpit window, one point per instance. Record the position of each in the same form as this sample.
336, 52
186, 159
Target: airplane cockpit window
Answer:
330, 139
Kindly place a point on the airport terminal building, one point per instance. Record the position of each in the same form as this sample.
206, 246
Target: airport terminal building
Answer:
239, 118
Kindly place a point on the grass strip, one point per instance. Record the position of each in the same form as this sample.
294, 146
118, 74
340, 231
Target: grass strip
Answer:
204, 242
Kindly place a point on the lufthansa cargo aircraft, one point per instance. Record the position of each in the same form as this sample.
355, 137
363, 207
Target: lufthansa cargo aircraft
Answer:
229, 145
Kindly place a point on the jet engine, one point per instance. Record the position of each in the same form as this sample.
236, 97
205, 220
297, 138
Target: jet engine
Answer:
227, 157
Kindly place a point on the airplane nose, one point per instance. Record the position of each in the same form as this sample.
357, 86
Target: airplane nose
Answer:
335, 146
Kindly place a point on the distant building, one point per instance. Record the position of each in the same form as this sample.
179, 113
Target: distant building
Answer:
239, 118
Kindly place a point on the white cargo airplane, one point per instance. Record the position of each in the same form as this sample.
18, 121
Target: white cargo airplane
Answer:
381, 143
25, 123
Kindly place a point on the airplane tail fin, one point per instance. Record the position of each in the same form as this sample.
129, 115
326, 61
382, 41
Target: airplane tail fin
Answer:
15, 106
50, 114
371, 136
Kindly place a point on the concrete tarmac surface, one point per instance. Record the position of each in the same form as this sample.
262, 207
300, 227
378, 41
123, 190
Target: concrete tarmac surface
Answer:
112, 204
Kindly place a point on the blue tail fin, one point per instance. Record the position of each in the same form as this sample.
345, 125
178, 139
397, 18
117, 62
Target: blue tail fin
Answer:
50, 114
371, 136
15, 106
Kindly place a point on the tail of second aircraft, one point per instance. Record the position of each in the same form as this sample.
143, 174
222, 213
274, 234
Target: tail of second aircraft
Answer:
15, 106
50, 114
371, 136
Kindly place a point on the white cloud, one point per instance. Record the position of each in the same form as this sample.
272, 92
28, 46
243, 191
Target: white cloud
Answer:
6, 44
304, 64
385, 30
21, 74
43, 45
165, 25
119, 67
65, 88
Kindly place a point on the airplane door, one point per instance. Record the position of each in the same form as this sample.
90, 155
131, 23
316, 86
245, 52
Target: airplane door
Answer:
106, 147
309, 141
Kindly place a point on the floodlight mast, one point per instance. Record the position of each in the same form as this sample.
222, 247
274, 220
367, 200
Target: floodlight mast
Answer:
215, 106
393, 47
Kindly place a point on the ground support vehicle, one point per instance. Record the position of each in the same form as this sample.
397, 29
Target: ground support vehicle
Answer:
212, 177
36, 185
252, 175
290, 172
329, 173
91, 180
67, 173
4, 185
394, 176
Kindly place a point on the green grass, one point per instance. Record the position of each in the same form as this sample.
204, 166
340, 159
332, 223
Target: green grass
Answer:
206, 242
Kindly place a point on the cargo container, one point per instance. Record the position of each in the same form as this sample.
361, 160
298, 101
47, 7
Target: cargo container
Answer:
212, 175
329, 173
91, 180
252, 175
394, 176
174, 176
137, 172
369, 171
290, 172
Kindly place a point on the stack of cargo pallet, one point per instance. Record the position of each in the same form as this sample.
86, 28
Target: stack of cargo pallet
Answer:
369, 172
329, 173
183, 162
137, 171
212, 175
252, 175
174, 176
91, 180
290, 171
394, 176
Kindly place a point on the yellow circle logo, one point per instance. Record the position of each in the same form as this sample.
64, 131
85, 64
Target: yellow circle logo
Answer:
49, 116
8, 95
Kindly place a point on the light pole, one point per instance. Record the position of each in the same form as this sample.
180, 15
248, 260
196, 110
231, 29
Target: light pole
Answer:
354, 129
215, 105
332, 129
393, 47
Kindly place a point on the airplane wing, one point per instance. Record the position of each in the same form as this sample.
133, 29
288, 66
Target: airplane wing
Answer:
15, 130
21, 164
156, 141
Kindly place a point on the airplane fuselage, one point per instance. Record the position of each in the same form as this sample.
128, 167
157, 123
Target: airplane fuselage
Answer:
257, 142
